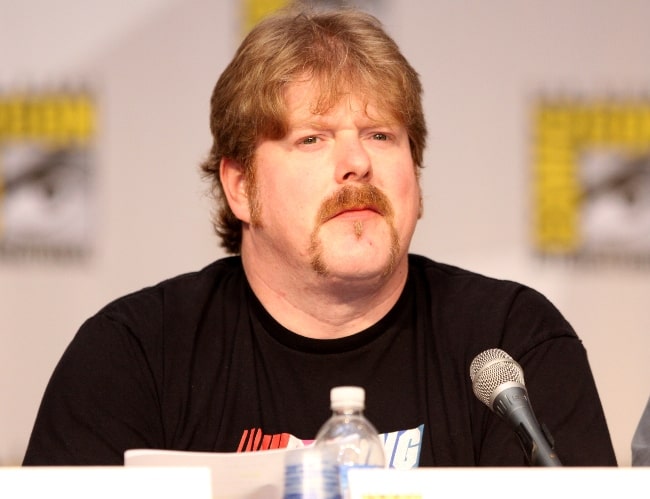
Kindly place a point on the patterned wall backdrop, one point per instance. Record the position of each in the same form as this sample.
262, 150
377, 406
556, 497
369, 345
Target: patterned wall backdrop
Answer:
254, 10
591, 179
46, 168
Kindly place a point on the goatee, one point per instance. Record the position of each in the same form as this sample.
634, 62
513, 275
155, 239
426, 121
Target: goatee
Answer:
349, 197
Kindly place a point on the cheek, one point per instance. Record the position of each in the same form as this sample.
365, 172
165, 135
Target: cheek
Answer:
290, 202
406, 192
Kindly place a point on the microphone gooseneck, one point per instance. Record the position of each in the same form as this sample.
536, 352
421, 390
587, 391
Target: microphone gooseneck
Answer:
498, 382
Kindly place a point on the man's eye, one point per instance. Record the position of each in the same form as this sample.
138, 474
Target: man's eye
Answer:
309, 140
380, 136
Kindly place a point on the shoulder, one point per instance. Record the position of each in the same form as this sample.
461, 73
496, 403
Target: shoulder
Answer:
190, 285
179, 299
473, 284
493, 312
450, 278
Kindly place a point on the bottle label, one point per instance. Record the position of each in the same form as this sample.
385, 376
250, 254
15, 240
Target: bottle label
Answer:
309, 474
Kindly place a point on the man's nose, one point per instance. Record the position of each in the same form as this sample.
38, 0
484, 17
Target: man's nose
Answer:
352, 160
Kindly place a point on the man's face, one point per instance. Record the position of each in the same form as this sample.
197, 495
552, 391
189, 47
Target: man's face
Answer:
339, 192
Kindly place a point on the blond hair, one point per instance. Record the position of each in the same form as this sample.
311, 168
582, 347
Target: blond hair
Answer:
343, 50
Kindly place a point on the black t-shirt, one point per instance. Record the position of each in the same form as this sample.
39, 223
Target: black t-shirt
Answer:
196, 363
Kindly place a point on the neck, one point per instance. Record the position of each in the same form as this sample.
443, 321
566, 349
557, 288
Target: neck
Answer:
324, 307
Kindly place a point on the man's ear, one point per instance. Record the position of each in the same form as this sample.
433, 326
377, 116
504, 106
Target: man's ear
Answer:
233, 181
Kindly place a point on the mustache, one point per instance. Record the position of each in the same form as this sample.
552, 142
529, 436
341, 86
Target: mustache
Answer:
349, 197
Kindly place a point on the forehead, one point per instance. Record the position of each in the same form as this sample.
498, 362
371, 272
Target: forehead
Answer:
307, 99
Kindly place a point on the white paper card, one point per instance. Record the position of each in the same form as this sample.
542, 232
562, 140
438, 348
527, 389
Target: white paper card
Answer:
497, 483
109, 482
245, 475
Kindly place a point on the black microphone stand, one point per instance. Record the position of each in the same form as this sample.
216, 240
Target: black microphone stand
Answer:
535, 440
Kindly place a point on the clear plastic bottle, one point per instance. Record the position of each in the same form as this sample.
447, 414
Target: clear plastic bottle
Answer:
310, 474
348, 435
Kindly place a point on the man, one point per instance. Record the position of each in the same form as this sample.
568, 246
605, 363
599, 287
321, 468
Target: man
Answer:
318, 140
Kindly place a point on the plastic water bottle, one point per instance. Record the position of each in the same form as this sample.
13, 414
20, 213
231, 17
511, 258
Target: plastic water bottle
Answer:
348, 436
310, 473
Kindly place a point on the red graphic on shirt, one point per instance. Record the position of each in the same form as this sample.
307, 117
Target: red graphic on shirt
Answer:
254, 439
402, 447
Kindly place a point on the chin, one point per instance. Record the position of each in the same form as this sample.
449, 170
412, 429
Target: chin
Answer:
357, 258
351, 269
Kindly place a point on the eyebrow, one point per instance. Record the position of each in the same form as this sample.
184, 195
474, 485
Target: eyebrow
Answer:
322, 122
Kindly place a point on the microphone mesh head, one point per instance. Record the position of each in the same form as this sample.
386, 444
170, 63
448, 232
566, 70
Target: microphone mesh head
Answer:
489, 370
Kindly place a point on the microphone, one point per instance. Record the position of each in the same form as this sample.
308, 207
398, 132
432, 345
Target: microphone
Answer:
498, 382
